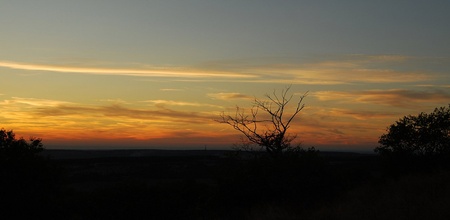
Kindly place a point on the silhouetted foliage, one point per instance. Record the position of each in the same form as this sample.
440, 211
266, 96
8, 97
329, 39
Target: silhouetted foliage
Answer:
27, 180
418, 141
423, 135
269, 131
13, 148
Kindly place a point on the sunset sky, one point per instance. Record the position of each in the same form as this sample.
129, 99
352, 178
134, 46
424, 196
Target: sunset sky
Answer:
89, 74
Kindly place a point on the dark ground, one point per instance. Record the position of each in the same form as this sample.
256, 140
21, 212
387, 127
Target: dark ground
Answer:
160, 184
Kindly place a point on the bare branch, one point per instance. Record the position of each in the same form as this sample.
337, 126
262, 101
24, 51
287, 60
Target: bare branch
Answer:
273, 139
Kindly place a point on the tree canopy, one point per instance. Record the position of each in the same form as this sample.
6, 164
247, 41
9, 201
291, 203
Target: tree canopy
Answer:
11, 147
426, 134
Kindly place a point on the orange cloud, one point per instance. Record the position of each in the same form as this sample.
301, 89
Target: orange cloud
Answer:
162, 103
118, 111
33, 102
55, 119
335, 70
229, 96
392, 97
359, 114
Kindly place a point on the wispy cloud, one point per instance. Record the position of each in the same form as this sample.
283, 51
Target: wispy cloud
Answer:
344, 69
28, 112
162, 103
156, 72
114, 121
359, 114
435, 86
33, 102
171, 90
114, 101
229, 96
348, 69
393, 97
118, 111
382, 58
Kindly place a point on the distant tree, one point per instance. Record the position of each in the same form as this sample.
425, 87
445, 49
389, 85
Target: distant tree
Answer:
28, 181
421, 135
270, 130
13, 148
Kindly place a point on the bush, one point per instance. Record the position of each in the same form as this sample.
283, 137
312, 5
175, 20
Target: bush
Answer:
422, 135
28, 182
419, 142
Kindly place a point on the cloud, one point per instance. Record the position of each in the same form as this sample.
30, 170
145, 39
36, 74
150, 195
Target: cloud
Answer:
114, 101
162, 103
434, 86
53, 119
392, 97
360, 114
229, 96
345, 69
33, 102
29, 113
118, 111
336, 131
171, 90
382, 58
155, 72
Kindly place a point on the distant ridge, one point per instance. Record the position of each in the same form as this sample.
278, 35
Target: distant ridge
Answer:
91, 154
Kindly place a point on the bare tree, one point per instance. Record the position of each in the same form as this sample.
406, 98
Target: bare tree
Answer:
269, 131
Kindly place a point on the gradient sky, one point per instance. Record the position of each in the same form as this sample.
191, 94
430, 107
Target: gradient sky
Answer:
155, 74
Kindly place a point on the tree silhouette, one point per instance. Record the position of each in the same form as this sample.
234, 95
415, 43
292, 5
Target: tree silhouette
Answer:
13, 148
421, 135
269, 131
28, 181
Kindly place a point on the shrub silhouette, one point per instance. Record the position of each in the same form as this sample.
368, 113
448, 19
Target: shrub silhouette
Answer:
12, 148
421, 138
27, 180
